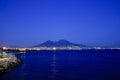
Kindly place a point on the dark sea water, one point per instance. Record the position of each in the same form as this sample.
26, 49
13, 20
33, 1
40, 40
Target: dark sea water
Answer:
67, 65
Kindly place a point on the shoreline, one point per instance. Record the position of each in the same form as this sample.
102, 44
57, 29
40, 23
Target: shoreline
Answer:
8, 62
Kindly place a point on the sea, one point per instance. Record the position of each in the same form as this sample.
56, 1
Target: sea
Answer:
67, 65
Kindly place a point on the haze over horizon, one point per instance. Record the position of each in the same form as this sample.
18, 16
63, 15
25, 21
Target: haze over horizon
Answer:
87, 22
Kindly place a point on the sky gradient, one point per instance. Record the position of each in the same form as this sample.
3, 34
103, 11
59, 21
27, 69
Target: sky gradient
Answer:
30, 22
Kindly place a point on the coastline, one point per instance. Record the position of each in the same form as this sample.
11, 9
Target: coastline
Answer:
8, 62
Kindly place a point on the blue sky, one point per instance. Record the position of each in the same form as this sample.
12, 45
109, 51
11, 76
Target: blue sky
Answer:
88, 22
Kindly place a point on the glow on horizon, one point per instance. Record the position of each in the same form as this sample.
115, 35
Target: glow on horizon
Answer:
4, 48
54, 48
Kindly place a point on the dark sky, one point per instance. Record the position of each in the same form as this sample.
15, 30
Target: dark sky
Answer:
30, 22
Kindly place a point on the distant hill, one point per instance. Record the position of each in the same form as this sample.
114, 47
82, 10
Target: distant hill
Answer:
60, 43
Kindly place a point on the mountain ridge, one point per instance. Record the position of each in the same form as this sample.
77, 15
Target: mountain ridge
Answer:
59, 43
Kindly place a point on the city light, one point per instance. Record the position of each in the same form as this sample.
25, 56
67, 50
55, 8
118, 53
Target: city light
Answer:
4, 48
54, 48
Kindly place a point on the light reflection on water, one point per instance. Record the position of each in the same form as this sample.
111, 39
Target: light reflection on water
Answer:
54, 69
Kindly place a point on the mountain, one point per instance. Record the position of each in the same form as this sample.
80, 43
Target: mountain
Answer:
60, 43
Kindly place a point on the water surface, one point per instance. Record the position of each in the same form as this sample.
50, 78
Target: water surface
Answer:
67, 65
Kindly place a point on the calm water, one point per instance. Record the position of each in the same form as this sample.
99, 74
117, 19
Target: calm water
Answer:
67, 65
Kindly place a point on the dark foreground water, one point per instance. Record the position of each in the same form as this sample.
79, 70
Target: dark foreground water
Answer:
67, 65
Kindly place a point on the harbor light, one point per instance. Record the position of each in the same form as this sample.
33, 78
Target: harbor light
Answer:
4, 48
54, 48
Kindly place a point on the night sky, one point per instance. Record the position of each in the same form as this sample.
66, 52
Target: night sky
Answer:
30, 22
